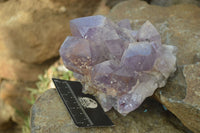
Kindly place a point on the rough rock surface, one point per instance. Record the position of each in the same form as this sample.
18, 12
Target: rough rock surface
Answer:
182, 96
34, 30
49, 115
178, 25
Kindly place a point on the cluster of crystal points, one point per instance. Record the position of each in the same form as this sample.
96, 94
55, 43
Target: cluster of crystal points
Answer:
119, 65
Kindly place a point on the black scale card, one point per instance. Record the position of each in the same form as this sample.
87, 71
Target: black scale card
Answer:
83, 108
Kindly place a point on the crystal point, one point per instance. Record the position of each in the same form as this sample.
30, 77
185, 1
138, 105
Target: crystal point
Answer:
149, 33
80, 26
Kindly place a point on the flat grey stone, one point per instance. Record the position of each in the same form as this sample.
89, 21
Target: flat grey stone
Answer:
49, 115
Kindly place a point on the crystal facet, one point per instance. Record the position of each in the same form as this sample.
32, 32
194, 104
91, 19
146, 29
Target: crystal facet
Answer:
119, 65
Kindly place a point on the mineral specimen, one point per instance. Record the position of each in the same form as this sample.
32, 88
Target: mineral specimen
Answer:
119, 65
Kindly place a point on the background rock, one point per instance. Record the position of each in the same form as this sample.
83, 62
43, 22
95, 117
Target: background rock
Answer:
54, 118
8, 115
174, 2
14, 94
15, 102
3, 0
7, 125
6, 112
31, 33
112, 3
14, 69
178, 25
34, 30
102, 9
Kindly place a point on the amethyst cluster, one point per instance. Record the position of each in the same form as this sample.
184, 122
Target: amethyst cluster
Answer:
119, 65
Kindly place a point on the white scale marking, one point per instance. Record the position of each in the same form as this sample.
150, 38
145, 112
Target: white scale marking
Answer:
76, 101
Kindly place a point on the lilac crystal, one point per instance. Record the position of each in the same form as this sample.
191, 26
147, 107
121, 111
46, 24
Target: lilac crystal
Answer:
119, 65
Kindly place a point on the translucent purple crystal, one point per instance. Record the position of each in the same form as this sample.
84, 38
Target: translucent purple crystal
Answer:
119, 65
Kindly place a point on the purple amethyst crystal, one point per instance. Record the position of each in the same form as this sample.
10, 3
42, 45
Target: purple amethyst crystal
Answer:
119, 65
